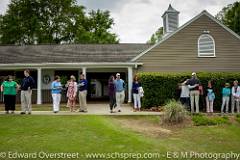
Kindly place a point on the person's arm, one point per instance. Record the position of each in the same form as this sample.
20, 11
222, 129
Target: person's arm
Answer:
2, 88
32, 83
233, 91
75, 89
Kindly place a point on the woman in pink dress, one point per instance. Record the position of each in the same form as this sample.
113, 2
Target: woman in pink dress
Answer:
72, 93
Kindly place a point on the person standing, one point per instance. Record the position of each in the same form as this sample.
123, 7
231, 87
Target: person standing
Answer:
26, 92
72, 93
226, 92
112, 93
210, 96
184, 96
120, 91
136, 94
9, 89
83, 86
193, 84
56, 93
235, 96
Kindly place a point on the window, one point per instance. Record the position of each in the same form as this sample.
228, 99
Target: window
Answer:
206, 46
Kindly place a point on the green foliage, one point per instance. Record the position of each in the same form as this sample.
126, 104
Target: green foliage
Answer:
201, 120
174, 112
230, 16
64, 80
156, 37
161, 87
54, 22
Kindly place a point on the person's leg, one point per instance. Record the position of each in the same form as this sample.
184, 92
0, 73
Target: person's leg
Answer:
74, 104
223, 104
58, 102
12, 103
233, 104
70, 104
227, 104
85, 100
79, 100
237, 104
118, 99
211, 106
111, 102
182, 100
135, 100
192, 101
122, 97
54, 102
197, 101
6, 102
207, 105
29, 101
139, 102
23, 102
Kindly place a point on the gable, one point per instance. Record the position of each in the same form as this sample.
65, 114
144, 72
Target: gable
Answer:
179, 51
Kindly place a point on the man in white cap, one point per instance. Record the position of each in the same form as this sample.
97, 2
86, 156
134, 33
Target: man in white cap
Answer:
193, 84
120, 91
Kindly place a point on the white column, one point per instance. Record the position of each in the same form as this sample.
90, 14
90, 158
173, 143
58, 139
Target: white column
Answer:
39, 86
130, 81
84, 71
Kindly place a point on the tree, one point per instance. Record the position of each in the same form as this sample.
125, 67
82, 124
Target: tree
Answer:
156, 37
54, 22
230, 16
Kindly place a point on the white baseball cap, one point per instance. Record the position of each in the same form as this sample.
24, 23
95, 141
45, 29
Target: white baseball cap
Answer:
193, 73
118, 74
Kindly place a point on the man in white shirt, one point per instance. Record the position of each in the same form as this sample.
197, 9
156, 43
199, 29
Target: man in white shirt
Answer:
235, 96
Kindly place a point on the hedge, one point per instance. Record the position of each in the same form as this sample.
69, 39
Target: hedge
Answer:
161, 87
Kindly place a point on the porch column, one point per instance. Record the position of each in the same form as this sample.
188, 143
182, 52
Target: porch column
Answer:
39, 86
130, 81
84, 71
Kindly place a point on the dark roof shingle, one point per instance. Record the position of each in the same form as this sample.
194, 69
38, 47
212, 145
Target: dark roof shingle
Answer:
71, 53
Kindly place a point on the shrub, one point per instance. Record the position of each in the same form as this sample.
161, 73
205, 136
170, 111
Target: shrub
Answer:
238, 118
161, 87
201, 120
174, 112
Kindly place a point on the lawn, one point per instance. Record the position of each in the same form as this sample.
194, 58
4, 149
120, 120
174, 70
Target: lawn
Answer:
105, 134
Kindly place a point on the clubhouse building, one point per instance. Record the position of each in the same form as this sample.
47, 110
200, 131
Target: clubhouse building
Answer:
201, 44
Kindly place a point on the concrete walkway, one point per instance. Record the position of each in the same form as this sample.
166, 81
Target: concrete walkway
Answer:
94, 109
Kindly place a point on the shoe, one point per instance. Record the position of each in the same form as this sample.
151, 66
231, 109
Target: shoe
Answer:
119, 110
112, 111
85, 111
22, 113
6, 112
12, 112
29, 113
55, 111
81, 110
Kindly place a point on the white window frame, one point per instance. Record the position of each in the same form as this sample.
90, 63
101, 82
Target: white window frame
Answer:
207, 54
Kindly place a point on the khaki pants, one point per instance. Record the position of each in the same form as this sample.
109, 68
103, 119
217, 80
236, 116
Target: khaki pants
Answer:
83, 100
235, 101
120, 96
26, 101
194, 97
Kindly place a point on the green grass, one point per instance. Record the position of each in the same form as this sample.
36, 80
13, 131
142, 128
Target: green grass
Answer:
87, 134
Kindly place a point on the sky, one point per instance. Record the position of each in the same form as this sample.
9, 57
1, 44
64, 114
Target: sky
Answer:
136, 20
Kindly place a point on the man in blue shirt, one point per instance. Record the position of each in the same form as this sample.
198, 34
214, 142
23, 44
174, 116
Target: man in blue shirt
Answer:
120, 91
83, 86
26, 92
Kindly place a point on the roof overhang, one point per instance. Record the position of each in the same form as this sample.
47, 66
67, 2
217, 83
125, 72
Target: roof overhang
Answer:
69, 65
